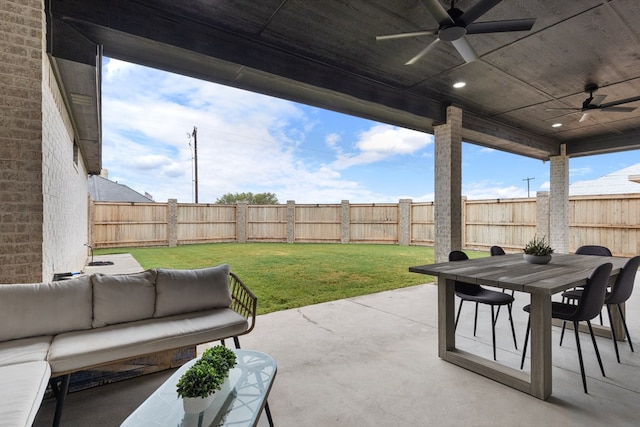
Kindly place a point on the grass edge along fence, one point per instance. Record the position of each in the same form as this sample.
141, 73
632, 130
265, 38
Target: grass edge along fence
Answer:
612, 221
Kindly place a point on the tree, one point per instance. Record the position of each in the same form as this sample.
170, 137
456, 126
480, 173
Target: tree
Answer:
252, 199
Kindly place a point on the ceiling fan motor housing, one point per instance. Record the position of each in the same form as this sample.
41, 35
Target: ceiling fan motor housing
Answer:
455, 30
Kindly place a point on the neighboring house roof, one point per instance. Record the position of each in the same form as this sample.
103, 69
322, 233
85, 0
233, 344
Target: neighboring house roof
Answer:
617, 182
104, 190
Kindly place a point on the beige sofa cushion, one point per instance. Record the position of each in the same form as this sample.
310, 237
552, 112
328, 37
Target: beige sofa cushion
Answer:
79, 350
183, 291
121, 298
34, 349
30, 310
22, 388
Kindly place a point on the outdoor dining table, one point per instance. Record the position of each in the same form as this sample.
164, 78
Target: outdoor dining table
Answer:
541, 281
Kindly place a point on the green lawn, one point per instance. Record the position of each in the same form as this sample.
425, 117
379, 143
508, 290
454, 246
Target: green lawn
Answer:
285, 276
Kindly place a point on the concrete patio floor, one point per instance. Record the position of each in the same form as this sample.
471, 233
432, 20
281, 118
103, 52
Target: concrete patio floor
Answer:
372, 361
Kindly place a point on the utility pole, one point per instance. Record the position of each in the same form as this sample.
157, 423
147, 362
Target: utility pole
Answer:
195, 156
525, 179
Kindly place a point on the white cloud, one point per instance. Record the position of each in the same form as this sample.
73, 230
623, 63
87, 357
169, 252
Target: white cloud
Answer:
245, 141
580, 171
382, 142
492, 190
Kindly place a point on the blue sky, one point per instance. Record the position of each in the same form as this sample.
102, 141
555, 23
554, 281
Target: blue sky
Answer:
251, 142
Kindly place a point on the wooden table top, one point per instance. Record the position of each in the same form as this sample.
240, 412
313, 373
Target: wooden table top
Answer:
511, 271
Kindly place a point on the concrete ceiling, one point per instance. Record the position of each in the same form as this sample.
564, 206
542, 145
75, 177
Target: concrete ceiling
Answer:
324, 53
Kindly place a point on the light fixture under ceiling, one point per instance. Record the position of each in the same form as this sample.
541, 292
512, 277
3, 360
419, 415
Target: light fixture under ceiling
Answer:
459, 85
556, 125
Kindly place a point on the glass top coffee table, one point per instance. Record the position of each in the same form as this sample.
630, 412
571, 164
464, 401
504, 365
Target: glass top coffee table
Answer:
241, 405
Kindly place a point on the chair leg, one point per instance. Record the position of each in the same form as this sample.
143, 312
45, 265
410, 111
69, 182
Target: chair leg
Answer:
493, 332
475, 321
513, 329
584, 378
60, 393
564, 326
526, 338
613, 334
458, 315
236, 342
626, 330
595, 346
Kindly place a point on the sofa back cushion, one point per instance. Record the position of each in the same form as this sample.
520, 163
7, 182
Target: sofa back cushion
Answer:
29, 310
119, 298
183, 291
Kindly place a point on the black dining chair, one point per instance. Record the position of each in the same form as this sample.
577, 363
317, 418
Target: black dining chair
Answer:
620, 293
587, 308
497, 251
595, 250
480, 295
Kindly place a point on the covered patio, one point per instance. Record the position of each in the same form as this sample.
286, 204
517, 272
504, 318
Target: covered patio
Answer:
373, 361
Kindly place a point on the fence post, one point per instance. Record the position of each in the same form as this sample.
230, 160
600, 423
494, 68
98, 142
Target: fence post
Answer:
241, 221
172, 224
404, 239
291, 221
345, 222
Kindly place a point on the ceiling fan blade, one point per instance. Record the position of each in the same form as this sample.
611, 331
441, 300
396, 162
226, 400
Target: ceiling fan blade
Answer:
405, 35
617, 109
597, 100
423, 52
500, 26
563, 109
620, 102
478, 10
584, 117
438, 11
465, 49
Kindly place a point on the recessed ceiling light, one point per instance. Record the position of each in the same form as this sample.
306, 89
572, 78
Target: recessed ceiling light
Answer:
459, 85
556, 125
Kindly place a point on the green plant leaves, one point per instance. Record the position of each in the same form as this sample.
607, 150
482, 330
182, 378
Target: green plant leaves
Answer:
208, 373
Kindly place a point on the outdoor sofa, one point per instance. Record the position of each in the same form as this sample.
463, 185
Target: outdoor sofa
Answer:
50, 330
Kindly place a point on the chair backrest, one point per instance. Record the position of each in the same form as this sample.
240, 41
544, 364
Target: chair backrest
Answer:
462, 287
623, 287
496, 250
457, 256
592, 300
593, 250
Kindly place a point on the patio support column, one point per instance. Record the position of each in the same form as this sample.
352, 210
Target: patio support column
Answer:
559, 202
448, 183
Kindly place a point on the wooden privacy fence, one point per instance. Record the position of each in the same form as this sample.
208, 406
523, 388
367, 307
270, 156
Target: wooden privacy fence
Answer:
612, 221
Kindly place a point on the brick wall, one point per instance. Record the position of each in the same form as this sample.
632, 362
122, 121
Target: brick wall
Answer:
21, 39
43, 193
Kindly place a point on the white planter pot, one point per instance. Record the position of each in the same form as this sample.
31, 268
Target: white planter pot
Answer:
537, 259
195, 405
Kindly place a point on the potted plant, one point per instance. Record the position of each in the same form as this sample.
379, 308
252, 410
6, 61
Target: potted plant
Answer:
537, 251
198, 385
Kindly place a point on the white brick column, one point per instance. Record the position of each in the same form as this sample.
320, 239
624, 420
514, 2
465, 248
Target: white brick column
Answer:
559, 202
448, 185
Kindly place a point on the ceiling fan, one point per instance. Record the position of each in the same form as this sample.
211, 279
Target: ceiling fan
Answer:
593, 103
455, 24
